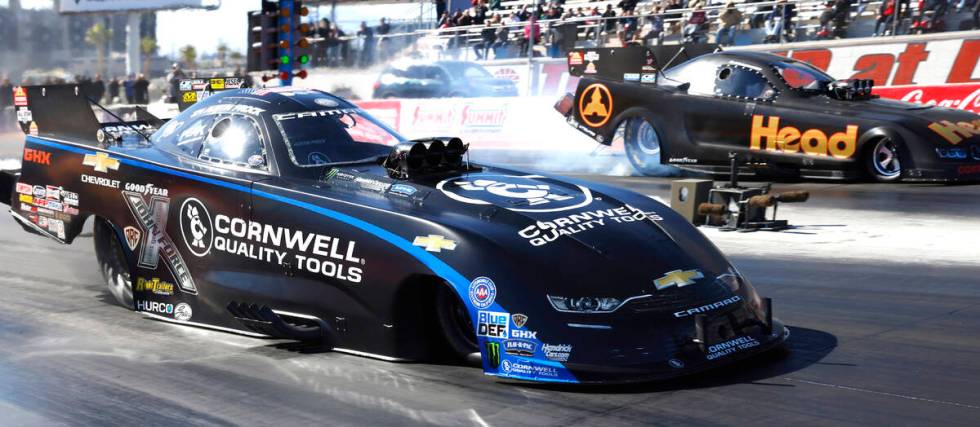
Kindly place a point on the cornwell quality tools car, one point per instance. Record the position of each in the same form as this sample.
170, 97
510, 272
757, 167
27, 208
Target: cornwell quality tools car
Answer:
292, 214
779, 115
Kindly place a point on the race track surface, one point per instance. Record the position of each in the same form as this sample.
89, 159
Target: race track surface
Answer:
879, 284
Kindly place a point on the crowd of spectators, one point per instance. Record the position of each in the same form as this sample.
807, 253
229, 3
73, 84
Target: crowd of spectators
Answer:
333, 47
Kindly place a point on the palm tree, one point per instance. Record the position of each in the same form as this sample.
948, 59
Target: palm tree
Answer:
149, 47
222, 54
99, 37
189, 56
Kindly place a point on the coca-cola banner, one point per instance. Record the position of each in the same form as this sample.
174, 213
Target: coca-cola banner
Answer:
960, 96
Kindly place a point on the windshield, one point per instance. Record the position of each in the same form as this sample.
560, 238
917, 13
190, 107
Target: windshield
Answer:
799, 75
316, 138
467, 70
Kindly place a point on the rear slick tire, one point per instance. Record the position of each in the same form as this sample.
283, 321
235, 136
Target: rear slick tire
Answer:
112, 263
456, 326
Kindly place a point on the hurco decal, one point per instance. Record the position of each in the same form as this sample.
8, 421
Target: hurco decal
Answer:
708, 307
316, 253
718, 351
492, 324
153, 285
813, 142
544, 232
154, 307
152, 219
954, 133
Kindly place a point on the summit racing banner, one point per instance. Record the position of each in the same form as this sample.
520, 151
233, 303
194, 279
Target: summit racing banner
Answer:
960, 96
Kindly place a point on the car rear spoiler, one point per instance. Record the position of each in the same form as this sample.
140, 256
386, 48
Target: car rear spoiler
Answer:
192, 91
632, 63
65, 112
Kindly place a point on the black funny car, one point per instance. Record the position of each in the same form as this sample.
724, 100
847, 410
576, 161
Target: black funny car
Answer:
778, 115
291, 213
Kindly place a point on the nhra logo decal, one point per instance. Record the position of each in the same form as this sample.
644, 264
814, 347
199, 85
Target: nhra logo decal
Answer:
482, 292
595, 105
530, 193
152, 219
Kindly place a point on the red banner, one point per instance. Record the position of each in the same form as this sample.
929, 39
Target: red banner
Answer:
960, 96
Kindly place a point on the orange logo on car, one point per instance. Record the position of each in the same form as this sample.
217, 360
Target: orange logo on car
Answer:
595, 106
954, 133
814, 142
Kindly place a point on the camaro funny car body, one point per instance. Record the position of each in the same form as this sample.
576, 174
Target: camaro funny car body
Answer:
291, 213
775, 113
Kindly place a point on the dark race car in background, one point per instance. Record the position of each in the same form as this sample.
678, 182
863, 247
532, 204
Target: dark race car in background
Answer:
779, 115
440, 79
291, 213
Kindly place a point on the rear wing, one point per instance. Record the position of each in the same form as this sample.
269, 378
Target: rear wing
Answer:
65, 112
632, 63
192, 91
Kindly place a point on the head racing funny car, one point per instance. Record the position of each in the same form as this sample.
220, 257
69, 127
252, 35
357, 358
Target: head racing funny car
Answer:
690, 107
291, 213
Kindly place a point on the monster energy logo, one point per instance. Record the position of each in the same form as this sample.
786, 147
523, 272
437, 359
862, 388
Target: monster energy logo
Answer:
152, 219
493, 354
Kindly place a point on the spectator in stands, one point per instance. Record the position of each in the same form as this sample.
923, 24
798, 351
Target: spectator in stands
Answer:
886, 14
532, 35
653, 28
444, 21
525, 13
367, 48
697, 23
502, 44
609, 24
98, 88
141, 90
515, 18
673, 18
779, 22
728, 22
479, 12
384, 27
114, 92
627, 5
173, 79
488, 35
592, 23
339, 47
842, 10
761, 14
628, 23
494, 4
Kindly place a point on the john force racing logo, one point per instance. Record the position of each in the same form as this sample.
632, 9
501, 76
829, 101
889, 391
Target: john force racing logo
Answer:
530, 193
152, 219
328, 256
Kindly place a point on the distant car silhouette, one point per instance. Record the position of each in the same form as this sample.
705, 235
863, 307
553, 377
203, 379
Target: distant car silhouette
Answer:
440, 79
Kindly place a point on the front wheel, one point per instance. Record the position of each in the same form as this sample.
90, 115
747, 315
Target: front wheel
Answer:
642, 142
884, 161
113, 264
456, 326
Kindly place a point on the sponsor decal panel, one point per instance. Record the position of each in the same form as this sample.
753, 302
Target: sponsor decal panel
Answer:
492, 324
101, 162
23, 188
544, 232
524, 334
132, 235
557, 352
954, 133
813, 142
482, 292
154, 285
520, 347
529, 193
155, 307
100, 181
679, 278
726, 348
319, 254
528, 369
595, 106
519, 319
183, 312
40, 157
493, 354
152, 218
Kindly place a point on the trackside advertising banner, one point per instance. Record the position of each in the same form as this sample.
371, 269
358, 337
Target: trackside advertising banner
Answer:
948, 58
960, 96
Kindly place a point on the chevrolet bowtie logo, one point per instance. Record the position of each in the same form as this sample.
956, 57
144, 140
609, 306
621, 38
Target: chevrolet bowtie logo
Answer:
678, 278
434, 243
101, 162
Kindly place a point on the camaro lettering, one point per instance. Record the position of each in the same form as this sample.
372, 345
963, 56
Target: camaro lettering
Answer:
813, 142
708, 307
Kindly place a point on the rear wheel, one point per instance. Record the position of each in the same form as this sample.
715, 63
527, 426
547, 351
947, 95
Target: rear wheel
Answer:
884, 161
457, 328
112, 263
642, 142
